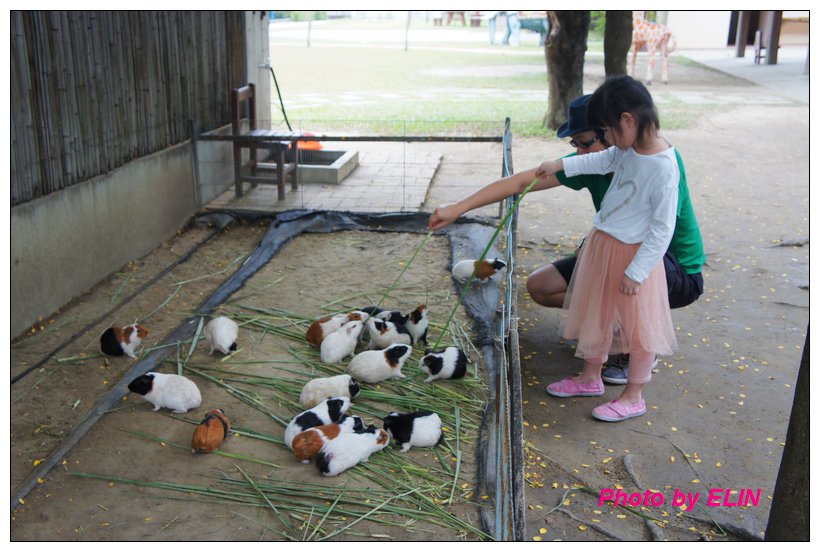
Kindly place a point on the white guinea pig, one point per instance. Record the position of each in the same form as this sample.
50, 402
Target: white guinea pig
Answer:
384, 333
376, 366
416, 429
319, 389
341, 343
485, 269
450, 363
221, 333
417, 323
348, 449
167, 390
323, 413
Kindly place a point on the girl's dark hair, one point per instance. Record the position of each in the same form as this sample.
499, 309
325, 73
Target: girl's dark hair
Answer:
620, 94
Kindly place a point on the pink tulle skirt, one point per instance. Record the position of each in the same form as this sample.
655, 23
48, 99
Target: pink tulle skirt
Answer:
604, 320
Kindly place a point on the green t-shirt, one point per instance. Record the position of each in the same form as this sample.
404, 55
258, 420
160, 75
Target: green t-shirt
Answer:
686, 244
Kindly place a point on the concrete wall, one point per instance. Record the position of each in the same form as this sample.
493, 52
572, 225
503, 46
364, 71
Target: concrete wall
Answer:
700, 29
66, 242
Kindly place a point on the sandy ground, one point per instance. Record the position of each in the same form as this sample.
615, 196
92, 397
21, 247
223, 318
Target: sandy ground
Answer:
132, 445
719, 408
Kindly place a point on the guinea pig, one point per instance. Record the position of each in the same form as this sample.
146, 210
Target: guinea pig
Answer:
341, 343
349, 449
483, 270
167, 390
119, 341
312, 441
450, 363
392, 316
384, 333
376, 366
417, 324
211, 432
320, 329
319, 389
323, 413
416, 429
221, 333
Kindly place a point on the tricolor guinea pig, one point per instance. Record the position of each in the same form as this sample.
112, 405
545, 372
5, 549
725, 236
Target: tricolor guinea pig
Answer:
119, 341
328, 411
384, 333
320, 329
167, 391
392, 316
312, 441
417, 324
341, 343
483, 270
211, 432
221, 333
349, 449
319, 389
450, 363
376, 366
416, 429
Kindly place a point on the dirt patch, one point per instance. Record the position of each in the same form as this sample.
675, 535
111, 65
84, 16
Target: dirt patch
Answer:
135, 461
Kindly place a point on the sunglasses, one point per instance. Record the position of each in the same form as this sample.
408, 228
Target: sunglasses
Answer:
586, 145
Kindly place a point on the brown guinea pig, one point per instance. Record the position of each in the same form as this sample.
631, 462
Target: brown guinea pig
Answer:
210, 432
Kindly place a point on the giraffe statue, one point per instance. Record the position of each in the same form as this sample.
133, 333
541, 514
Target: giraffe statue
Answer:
653, 36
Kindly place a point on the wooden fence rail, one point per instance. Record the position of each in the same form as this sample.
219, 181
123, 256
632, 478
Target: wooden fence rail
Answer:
91, 90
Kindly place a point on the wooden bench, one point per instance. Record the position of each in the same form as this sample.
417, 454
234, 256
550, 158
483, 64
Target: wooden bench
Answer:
282, 148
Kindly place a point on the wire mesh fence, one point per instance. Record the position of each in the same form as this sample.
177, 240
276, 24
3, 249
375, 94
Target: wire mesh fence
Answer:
361, 166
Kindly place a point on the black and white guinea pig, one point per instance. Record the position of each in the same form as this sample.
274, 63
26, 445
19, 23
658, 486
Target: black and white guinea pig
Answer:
320, 329
221, 333
384, 333
349, 449
391, 316
319, 389
167, 391
119, 341
483, 270
449, 363
416, 429
376, 366
313, 440
328, 411
341, 343
417, 323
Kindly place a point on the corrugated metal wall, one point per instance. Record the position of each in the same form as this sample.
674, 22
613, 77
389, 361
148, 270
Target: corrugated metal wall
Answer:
91, 91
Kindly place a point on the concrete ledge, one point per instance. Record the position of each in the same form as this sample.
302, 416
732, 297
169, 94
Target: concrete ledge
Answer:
66, 242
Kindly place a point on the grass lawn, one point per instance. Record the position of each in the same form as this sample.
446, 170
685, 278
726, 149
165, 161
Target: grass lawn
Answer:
359, 72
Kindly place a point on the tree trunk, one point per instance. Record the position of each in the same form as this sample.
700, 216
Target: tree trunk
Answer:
564, 54
617, 40
789, 516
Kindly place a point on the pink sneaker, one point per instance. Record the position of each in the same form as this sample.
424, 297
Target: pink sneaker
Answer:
568, 388
615, 411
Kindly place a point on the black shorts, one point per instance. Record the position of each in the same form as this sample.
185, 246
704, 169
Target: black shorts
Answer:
684, 289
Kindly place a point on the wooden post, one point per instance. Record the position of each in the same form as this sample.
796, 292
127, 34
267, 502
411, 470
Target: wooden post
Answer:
742, 33
773, 37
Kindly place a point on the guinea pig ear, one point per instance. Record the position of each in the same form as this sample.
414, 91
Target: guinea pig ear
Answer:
428, 351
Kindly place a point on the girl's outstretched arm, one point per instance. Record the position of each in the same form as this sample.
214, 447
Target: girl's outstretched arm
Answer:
491, 193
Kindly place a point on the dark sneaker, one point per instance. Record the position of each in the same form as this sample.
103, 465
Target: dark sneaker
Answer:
617, 369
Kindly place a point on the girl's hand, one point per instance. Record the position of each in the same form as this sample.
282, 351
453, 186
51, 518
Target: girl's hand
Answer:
548, 168
629, 286
443, 216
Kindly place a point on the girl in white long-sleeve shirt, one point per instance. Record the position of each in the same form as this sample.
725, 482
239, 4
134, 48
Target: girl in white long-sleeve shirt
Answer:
617, 300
